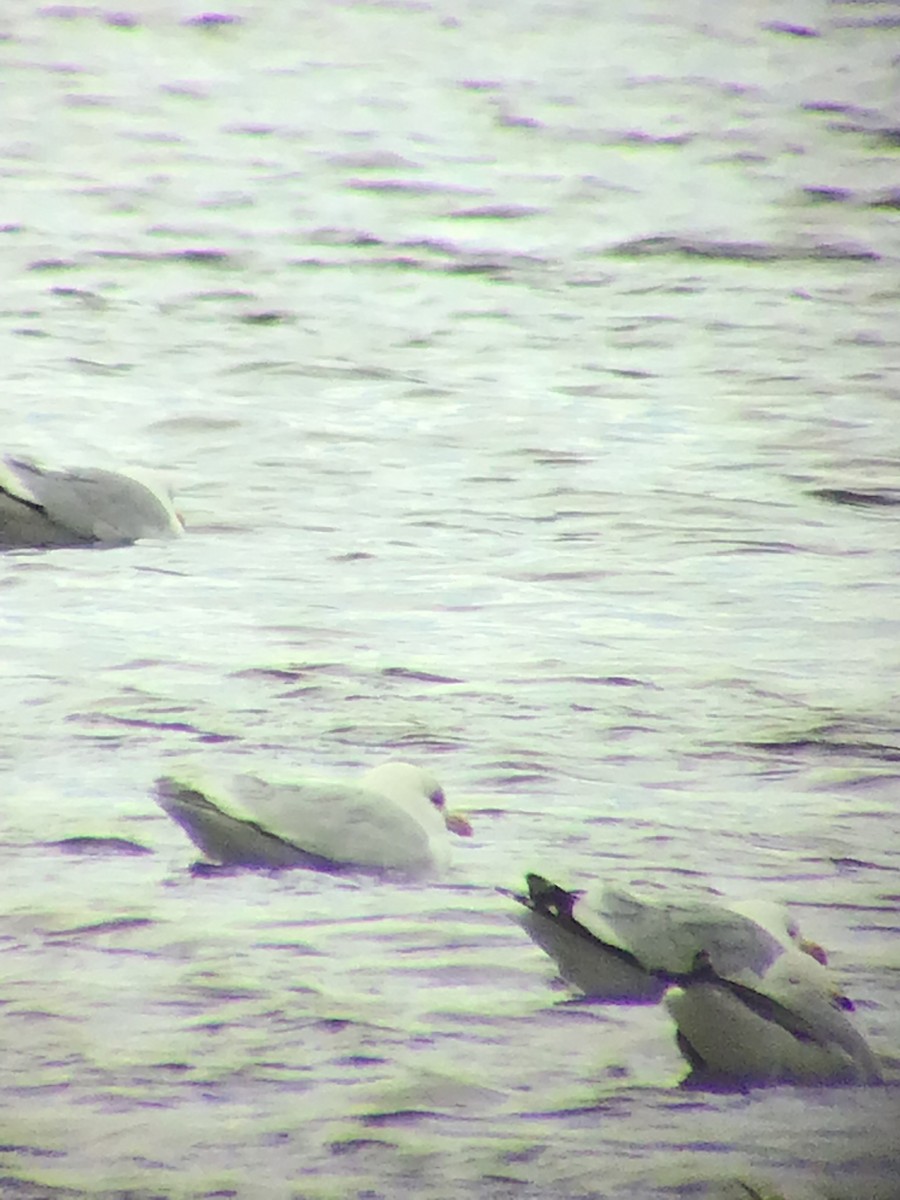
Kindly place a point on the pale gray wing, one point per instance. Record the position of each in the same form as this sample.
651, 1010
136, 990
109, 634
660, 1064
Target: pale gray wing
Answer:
742, 1034
225, 838
788, 1027
672, 937
95, 504
343, 822
248, 819
804, 986
23, 525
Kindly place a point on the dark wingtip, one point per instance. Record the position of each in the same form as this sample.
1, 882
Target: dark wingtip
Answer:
549, 897
536, 884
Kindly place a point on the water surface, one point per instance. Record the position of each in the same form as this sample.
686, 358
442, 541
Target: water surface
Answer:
529, 381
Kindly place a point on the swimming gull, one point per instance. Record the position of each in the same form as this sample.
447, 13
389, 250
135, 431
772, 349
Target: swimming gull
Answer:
752, 1001
43, 508
395, 818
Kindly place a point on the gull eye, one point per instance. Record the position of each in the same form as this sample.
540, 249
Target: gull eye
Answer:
438, 799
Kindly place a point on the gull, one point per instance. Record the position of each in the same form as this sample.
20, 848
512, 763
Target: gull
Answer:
42, 508
395, 818
752, 1001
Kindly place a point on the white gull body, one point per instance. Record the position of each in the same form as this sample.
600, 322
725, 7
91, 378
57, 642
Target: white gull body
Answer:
393, 819
44, 508
752, 1002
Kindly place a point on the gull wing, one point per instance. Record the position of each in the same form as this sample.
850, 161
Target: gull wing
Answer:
586, 952
670, 937
92, 504
252, 821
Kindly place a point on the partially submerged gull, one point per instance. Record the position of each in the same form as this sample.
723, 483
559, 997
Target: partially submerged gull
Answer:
394, 818
752, 1001
44, 508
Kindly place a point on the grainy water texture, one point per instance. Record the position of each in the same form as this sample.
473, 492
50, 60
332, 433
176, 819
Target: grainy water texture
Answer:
529, 376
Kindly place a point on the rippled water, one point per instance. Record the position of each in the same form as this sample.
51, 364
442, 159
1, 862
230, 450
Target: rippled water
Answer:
529, 378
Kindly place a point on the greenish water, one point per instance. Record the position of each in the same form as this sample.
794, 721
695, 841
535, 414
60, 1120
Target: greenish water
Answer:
602, 529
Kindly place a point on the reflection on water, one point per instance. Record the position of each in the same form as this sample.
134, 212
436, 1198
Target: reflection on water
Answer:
528, 381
